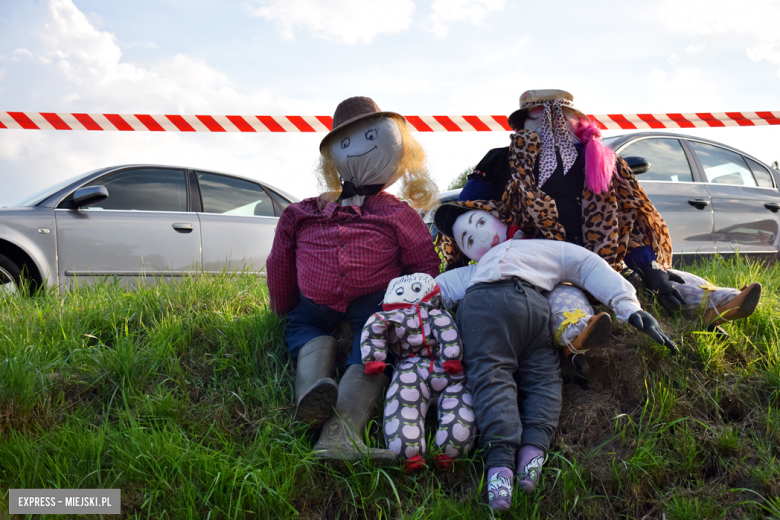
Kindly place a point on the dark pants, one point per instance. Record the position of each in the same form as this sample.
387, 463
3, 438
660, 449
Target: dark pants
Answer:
512, 367
309, 320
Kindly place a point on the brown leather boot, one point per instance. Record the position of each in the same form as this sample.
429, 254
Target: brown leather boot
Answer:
741, 306
597, 331
341, 439
316, 392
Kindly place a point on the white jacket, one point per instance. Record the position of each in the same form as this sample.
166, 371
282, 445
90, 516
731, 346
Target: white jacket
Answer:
544, 263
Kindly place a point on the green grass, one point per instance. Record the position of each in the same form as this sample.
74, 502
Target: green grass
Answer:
180, 395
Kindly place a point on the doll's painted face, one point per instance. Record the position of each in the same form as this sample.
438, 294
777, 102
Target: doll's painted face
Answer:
368, 151
477, 231
409, 289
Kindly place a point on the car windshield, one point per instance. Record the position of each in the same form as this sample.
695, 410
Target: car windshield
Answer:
48, 192
609, 140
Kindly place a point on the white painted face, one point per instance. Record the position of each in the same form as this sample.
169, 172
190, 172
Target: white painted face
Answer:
368, 151
534, 121
409, 289
477, 231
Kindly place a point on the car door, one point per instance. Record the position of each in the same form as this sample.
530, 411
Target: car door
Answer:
683, 203
746, 217
238, 222
143, 229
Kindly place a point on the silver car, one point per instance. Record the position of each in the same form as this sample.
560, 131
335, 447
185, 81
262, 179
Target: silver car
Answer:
135, 221
714, 198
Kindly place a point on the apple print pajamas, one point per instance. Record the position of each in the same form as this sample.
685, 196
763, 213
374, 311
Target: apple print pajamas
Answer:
429, 349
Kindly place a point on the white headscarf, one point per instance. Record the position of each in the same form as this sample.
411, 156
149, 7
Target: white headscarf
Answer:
367, 154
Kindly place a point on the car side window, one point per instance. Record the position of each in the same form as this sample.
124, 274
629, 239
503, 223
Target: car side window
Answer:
666, 157
722, 166
231, 196
282, 202
762, 175
143, 189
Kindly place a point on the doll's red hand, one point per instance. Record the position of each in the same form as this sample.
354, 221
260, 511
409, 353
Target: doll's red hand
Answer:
453, 367
375, 367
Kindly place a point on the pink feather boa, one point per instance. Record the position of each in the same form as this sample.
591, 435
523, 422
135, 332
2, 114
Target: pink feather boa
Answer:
599, 159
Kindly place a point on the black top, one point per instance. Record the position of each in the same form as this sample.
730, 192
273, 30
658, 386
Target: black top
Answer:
565, 190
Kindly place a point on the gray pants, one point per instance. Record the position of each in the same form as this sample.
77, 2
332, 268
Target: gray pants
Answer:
512, 367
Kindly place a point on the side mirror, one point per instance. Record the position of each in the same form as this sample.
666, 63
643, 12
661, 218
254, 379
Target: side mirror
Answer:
638, 165
89, 195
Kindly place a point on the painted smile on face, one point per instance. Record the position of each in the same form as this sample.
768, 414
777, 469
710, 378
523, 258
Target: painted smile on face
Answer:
362, 154
370, 135
476, 232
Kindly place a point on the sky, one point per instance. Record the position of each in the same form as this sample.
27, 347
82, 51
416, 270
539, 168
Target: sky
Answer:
303, 57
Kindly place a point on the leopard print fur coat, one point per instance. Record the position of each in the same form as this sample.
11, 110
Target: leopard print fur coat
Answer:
613, 223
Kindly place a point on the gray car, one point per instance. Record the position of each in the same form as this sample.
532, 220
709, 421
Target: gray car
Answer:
714, 198
134, 221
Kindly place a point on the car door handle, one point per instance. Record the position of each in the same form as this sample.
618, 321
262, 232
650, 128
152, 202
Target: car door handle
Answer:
183, 227
699, 203
772, 206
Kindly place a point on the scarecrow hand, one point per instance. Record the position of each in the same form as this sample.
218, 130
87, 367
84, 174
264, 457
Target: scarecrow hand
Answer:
647, 324
659, 281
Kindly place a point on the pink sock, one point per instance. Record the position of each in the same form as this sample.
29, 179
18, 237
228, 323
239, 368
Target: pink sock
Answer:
500, 487
529, 467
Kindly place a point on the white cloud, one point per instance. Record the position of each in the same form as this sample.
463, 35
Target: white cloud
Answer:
70, 66
685, 91
446, 12
765, 51
343, 21
19, 54
755, 21
754, 17
695, 49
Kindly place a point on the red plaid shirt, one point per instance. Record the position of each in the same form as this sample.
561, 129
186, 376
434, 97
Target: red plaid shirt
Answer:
338, 253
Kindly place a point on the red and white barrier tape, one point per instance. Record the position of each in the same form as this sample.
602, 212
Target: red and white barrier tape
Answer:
176, 123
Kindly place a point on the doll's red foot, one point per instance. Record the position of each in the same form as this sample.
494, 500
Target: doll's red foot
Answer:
414, 463
445, 461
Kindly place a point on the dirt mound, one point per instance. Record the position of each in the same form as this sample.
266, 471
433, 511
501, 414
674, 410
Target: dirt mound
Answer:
614, 386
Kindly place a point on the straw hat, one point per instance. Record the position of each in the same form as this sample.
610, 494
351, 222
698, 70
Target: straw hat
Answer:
535, 98
351, 110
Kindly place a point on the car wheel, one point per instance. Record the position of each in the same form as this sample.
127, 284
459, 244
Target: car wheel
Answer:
10, 276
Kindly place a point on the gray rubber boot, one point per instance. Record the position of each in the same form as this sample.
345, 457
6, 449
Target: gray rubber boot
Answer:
341, 438
316, 393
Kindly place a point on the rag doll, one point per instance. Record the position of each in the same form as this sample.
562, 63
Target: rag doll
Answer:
428, 352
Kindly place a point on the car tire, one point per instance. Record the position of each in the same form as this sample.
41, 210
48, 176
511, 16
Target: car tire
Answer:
10, 275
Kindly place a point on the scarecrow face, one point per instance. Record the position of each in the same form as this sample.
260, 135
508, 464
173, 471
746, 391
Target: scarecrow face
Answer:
477, 231
367, 151
534, 119
409, 289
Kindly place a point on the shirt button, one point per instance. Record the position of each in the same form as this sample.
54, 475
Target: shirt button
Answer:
579, 198
341, 275
341, 245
